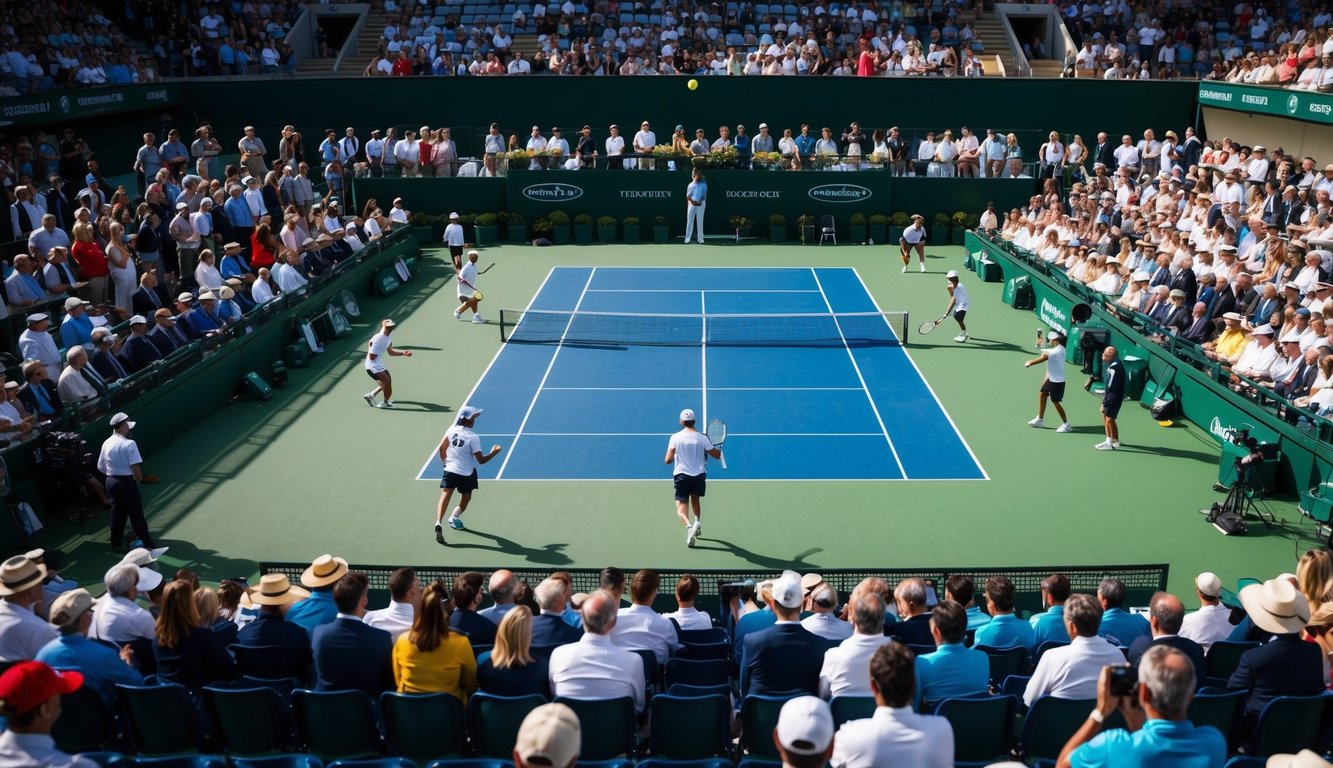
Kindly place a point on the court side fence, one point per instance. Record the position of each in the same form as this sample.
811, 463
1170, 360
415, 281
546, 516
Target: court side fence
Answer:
539, 326
1141, 580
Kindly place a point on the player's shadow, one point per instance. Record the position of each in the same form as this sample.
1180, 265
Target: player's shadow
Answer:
550, 554
984, 343
416, 348
416, 405
798, 562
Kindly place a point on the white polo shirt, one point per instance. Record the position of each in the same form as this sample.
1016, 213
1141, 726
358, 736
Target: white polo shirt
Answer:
1055, 364
379, 349
1207, 625
461, 456
692, 447
118, 457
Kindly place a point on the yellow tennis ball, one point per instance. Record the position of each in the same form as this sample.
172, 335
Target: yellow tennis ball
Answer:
693, 84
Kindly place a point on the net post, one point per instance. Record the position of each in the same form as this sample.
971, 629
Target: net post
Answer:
907, 323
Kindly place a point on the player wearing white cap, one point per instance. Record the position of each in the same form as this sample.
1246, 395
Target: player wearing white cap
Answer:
460, 451
453, 237
689, 450
1053, 385
958, 304
381, 348
120, 462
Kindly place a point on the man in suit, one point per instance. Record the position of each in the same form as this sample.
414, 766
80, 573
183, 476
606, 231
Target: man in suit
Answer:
348, 654
913, 627
149, 296
1298, 384
1177, 316
39, 394
501, 587
1159, 305
106, 356
1166, 614
1160, 274
1201, 326
59, 202
1272, 203
139, 350
786, 656
1186, 280
165, 335
1265, 307
1242, 288
1285, 665
1291, 211
1104, 153
549, 627
466, 596
274, 596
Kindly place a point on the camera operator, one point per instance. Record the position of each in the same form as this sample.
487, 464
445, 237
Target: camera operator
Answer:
1155, 709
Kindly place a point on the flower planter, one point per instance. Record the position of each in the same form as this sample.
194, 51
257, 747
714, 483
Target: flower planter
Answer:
488, 235
878, 233
631, 233
856, 233
582, 234
939, 235
429, 235
777, 234
958, 236
606, 234
517, 233
560, 235
661, 234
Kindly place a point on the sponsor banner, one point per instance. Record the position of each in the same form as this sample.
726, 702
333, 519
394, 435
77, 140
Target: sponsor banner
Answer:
1309, 106
64, 106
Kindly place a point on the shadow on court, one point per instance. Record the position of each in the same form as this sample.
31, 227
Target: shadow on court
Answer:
1176, 453
417, 405
988, 344
797, 562
548, 555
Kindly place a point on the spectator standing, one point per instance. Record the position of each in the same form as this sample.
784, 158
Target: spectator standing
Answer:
147, 162
122, 465
252, 153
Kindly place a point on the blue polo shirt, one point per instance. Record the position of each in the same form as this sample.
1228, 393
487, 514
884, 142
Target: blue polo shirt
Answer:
1178, 744
315, 610
952, 670
100, 664
1006, 631
1050, 626
751, 622
1124, 626
76, 331
977, 618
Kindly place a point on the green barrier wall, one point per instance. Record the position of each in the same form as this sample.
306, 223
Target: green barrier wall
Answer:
433, 196
1305, 461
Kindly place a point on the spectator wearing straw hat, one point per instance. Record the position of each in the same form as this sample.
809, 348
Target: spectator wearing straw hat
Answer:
121, 463
1212, 622
274, 597
318, 608
549, 737
30, 701
103, 668
23, 633
1285, 665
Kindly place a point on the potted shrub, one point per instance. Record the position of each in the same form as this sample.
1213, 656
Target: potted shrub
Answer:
939, 230
661, 230
777, 228
606, 230
488, 229
541, 228
741, 225
897, 223
856, 228
631, 229
582, 229
516, 228
559, 227
959, 223
468, 222
878, 229
430, 229
806, 225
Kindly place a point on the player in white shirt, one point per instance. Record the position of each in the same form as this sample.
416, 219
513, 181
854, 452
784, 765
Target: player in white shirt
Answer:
381, 348
689, 450
468, 295
460, 452
958, 304
1053, 385
914, 237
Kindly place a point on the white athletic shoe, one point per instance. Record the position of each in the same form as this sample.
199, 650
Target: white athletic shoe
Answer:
1064, 428
1037, 422
904, 269
698, 528
1115, 443
1105, 445
923, 267
960, 338
691, 535
458, 315
369, 397
387, 404
478, 320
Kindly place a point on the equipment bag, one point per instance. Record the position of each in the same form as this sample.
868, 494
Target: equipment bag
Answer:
257, 388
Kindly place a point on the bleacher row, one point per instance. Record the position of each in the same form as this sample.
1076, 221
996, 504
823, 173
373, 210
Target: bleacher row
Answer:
689, 717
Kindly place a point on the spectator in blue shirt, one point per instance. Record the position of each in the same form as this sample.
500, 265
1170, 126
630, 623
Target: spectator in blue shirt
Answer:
1049, 625
319, 608
805, 143
963, 590
102, 667
76, 330
953, 669
1004, 630
1118, 625
1159, 731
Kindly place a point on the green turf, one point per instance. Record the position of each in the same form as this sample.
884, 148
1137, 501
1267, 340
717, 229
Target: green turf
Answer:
314, 470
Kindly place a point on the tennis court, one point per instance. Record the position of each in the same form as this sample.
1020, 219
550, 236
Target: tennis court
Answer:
806, 370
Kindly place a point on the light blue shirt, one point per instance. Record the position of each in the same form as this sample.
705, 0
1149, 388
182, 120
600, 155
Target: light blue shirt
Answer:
1178, 744
76, 331
101, 666
748, 624
952, 670
497, 612
1006, 631
1049, 626
1123, 626
697, 191
977, 618
315, 610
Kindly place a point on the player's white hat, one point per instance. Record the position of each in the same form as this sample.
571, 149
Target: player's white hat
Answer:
468, 412
952, 273
687, 414
1053, 335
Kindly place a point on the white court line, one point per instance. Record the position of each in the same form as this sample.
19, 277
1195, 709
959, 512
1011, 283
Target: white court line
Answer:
549, 366
494, 358
703, 355
861, 378
919, 375
695, 290
668, 434
714, 389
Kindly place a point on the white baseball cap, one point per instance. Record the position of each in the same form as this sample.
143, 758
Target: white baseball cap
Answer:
1053, 335
952, 273
468, 412
687, 414
120, 418
1209, 584
805, 726
787, 590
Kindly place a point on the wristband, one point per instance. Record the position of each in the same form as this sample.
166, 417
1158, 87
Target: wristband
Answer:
1096, 716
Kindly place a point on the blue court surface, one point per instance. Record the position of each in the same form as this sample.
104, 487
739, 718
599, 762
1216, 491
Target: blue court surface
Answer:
844, 410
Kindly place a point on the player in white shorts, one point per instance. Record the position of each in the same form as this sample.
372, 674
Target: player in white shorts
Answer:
958, 305
1053, 385
381, 349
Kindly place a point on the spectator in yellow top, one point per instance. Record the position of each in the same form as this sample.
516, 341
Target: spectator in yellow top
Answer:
430, 658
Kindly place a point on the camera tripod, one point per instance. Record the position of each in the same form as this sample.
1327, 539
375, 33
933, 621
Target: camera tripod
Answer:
1240, 501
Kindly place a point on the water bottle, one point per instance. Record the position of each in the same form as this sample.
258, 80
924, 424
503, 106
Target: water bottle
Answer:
872, 241
1039, 335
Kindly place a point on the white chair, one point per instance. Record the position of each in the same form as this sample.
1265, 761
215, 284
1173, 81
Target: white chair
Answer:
827, 229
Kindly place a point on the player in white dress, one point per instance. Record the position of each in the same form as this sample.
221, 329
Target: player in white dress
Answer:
381, 348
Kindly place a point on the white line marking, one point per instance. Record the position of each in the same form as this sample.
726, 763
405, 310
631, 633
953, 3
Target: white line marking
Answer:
714, 389
494, 358
549, 366
703, 355
862, 379
694, 290
929, 389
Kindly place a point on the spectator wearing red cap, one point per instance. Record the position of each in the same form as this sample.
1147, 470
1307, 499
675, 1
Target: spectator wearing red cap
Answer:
30, 701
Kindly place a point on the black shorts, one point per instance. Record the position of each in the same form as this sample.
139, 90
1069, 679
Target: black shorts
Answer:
376, 376
460, 483
959, 315
456, 251
1111, 408
1056, 389
689, 485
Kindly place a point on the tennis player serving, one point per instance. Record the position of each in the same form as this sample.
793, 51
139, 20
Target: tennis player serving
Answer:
689, 450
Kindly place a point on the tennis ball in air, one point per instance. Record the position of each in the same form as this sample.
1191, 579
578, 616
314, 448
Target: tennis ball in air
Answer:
693, 84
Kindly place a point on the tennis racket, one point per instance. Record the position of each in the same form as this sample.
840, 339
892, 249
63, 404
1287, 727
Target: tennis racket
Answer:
930, 325
488, 269
717, 435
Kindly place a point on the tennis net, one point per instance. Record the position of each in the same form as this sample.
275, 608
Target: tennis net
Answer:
538, 326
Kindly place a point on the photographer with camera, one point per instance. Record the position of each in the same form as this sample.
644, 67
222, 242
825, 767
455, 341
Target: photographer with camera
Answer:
1154, 703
